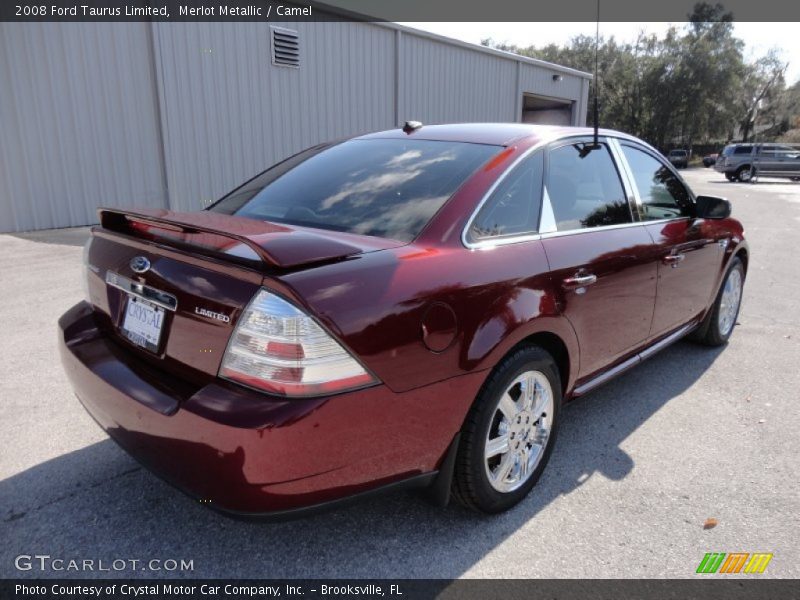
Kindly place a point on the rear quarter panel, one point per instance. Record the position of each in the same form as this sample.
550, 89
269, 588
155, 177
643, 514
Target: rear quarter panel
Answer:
376, 304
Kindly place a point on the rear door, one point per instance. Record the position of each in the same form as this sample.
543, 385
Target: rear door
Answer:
600, 256
768, 160
688, 255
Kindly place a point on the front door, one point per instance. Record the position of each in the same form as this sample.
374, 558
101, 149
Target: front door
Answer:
687, 253
600, 257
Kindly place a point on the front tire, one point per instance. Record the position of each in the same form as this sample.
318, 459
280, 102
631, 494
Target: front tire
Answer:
509, 432
718, 325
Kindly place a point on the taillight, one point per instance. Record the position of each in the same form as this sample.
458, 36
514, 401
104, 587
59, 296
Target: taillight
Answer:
278, 348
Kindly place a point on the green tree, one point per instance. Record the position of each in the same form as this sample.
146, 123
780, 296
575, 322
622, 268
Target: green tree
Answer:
691, 85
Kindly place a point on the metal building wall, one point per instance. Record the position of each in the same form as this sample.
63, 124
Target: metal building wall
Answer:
442, 83
229, 113
78, 123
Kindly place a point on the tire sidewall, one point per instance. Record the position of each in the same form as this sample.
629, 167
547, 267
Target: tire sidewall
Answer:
532, 358
714, 331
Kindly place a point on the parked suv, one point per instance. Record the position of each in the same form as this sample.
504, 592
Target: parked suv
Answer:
743, 161
679, 158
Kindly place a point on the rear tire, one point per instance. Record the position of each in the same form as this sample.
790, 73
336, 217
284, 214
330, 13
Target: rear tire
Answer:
718, 325
744, 174
730, 176
509, 432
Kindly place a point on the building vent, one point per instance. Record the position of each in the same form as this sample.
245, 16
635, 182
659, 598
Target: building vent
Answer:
285, 47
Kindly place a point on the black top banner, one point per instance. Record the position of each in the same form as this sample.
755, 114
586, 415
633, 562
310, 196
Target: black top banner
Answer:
401, 589
387, 10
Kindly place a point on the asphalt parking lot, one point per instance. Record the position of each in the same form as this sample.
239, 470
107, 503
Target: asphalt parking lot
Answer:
640, 464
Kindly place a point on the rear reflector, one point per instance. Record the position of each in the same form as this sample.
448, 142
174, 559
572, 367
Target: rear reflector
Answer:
278, 348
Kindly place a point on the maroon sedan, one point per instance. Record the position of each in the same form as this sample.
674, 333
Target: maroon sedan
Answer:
410, 307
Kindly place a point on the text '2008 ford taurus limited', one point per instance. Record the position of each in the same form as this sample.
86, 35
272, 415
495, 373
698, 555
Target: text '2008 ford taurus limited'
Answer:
410, 307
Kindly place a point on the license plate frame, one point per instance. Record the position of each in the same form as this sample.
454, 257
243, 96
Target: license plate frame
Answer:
143, 323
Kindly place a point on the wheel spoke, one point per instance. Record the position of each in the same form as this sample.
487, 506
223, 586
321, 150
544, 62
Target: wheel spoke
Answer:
529, 390
504, 468
498, 445
524, 463
508, 407
542, 398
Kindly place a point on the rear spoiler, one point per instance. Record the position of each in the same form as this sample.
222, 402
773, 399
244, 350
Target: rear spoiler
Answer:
273, 245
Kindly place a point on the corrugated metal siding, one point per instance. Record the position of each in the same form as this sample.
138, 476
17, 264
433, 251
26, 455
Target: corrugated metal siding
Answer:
229, 112
440, 83
78, 123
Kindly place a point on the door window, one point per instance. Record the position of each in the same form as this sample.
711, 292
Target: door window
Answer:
662, 193
513, 208
585, 189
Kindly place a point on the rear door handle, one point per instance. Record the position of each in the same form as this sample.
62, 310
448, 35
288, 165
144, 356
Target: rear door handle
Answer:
673, 259
579, 281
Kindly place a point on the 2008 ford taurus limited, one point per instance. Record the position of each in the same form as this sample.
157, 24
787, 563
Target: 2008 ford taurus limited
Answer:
410, 307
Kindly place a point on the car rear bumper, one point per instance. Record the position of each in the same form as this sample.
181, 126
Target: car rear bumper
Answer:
248, 453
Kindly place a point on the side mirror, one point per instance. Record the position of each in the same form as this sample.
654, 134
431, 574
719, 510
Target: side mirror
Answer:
711, 207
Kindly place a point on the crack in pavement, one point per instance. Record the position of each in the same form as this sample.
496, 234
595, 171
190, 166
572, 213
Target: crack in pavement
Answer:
19, 515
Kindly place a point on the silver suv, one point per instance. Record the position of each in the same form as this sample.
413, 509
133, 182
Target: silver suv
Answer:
742, 162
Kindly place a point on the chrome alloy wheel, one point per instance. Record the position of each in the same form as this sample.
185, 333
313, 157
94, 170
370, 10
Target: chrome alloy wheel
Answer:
519, 431
729, 303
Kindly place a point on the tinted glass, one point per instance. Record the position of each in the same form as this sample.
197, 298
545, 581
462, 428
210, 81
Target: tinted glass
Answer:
663, 195
513, 208
742, 149
385, 188
585, 189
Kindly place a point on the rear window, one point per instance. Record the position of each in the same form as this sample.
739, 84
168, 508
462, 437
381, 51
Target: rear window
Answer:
677, 153
743, 150
380, 187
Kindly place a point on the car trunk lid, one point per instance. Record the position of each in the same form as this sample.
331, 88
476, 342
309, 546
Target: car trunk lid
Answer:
170, 286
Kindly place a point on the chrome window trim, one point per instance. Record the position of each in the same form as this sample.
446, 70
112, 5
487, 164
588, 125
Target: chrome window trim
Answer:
591, 229
634, 202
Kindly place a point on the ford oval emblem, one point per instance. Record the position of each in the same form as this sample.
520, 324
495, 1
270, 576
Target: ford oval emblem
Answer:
140, 264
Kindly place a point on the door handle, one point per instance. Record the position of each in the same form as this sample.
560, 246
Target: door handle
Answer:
579, 281
673, 259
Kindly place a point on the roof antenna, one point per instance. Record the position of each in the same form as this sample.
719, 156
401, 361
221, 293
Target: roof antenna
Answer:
595, 143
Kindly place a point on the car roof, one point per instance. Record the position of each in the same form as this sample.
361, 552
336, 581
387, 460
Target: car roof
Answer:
499, 134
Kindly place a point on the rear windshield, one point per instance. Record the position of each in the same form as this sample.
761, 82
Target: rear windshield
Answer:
381, 187
677, 152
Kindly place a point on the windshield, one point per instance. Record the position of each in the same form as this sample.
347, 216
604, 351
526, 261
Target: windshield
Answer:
380, 187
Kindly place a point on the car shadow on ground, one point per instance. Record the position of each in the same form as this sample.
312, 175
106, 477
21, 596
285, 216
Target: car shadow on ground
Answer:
97, 503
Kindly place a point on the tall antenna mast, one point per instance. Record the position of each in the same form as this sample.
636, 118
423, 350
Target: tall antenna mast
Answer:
595, 145
596, 76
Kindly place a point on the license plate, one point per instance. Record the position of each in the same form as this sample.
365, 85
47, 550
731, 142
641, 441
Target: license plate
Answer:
142, 323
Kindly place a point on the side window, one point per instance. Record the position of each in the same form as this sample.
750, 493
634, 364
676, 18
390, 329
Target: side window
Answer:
513, 208
585, 189
662, 193
743, 150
